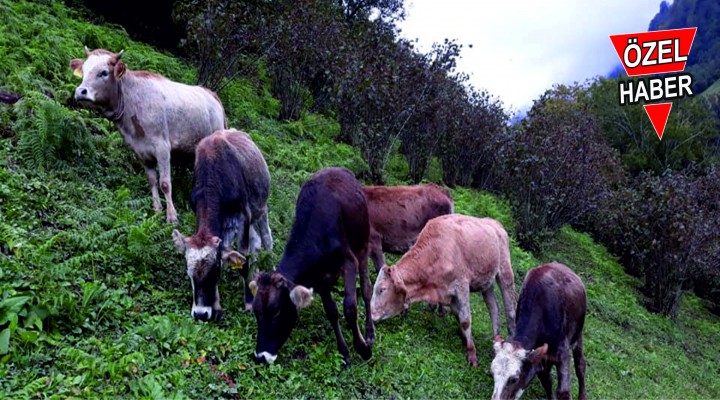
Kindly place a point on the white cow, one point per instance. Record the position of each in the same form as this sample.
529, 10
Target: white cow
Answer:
154, 114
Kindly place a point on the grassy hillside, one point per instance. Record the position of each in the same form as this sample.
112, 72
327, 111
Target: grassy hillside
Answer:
95, 301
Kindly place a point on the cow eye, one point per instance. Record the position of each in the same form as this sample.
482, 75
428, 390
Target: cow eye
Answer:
512, 380
103, 74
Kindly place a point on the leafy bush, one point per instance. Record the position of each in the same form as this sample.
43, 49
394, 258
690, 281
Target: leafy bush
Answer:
556, 167
666, 230
690, 136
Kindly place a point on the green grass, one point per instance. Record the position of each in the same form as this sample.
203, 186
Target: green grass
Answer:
96, 303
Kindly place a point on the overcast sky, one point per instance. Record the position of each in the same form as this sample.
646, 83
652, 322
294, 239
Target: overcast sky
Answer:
522, 47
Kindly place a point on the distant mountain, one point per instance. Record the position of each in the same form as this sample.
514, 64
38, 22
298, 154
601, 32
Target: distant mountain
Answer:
704, 59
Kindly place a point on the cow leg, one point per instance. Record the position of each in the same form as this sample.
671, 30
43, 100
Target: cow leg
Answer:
153, 182
579, 360
376, 251
253, 247
506, 281
546, 381
492, 306
350, 274
245, 272
165, 184
263, 228
461, 308
563, 370
367, 297
332, 314
254, 240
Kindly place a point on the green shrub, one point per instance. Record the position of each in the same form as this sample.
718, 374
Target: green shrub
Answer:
556, 167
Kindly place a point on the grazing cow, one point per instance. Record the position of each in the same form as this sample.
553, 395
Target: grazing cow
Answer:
329, 238
231, 184
550, 319
453, 256
399, 213
154, 115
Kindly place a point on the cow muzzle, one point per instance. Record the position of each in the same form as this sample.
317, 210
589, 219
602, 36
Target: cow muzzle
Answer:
206, 313
82, 94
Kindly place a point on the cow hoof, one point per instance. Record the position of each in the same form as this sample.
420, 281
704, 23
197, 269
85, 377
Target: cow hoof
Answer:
364, 351
172, 220
248, 307
442, 312
473, 361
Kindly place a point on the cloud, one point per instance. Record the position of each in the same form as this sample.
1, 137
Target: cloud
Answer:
521, 48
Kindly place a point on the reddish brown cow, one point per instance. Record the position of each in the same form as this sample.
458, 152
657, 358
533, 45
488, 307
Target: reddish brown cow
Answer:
550, 319
399, 213
155, 115
454, 255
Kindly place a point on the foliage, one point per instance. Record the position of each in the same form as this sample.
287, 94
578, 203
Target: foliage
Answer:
689, 136
665, 230
556, 167
94, 298
704, 60
469, 152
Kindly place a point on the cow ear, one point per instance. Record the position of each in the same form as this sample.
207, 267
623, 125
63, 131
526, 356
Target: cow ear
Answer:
215, 241
119, 69
301, 296
253, 286
233, 258
76, 67
537, 355
396, 280
179, 240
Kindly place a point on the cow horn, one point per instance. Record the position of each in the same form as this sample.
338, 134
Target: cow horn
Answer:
118, 55
87, 51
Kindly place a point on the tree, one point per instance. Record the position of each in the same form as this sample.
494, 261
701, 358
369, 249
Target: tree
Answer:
557, 167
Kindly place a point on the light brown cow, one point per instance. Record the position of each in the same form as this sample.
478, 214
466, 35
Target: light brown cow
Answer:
399, 213
454, 255
154, 114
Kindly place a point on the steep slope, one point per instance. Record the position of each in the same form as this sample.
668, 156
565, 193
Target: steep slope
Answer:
95, 300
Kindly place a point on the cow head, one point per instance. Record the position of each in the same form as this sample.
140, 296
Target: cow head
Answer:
203, 255
389, 294
101, 72
276, 305
514, 367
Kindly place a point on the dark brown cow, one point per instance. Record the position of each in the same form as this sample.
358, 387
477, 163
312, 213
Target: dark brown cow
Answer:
155, 115
329, 239
454, 255
550, 319
399, 213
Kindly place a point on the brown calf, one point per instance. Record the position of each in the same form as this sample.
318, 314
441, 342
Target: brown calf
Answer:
399, 213
550, 319
454, 255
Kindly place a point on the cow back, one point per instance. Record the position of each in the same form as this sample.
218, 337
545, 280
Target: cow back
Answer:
399, 213
230, 177
331, 219
551, 307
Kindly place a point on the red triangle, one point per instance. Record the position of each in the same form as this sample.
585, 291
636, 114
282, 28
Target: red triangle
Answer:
658, 114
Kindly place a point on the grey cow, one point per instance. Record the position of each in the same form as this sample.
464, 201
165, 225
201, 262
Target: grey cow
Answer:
231, 185
154, 114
